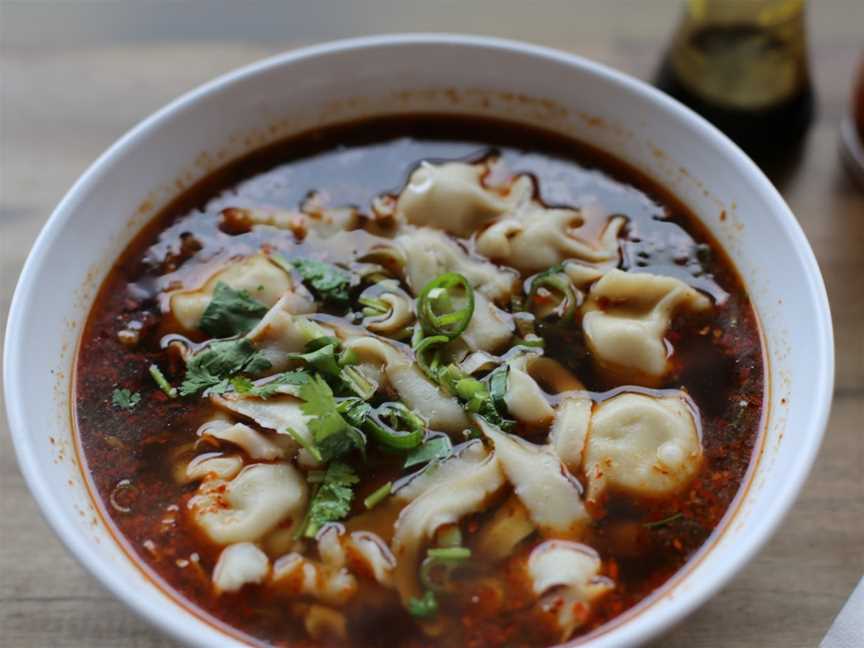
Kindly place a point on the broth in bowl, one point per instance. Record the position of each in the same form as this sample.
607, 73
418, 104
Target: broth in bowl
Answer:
419, 381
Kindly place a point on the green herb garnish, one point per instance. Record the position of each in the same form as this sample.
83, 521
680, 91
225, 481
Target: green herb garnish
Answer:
231, 312
423, 607
436, 447
333, 499
445, 305
331, 433
211, 369
283, 383
327, 281
162, 381
378, 495
125, 399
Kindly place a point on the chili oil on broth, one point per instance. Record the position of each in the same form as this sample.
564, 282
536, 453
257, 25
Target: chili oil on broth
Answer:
132, 455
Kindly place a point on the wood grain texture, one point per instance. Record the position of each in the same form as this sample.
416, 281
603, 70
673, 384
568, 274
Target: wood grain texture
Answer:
75, 75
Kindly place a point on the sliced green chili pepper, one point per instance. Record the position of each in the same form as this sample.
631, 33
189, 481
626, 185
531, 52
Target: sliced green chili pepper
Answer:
435, 306
394, 426
554, 280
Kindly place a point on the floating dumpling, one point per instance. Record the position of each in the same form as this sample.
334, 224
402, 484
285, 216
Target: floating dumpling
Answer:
450, 197
253, 503
551, 495
642, 445
430, 253
625, 321
238, 565
263, 280
566, 576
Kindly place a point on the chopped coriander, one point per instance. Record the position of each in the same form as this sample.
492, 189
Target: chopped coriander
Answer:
305, 443
288, 382
332, 434
423, 607
325, 280
333, 499
162, 381
436, 447
210, 369
125, 399
231, 312
378, 495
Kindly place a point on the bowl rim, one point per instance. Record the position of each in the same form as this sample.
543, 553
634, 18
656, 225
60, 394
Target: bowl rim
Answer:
635, 630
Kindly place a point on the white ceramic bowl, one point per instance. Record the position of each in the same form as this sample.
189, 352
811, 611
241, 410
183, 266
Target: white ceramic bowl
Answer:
338, 81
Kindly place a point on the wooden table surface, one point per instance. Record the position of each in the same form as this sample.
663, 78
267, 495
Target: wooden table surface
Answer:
74, 75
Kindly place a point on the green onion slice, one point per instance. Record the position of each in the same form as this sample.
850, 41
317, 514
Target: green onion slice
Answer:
556, 282
436, 569
394, 426
378, 495
445, 305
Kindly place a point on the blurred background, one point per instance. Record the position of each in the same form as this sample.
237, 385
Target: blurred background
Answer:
76, 74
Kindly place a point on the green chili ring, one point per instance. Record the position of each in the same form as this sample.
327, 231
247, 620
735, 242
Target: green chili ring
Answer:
452, 323
561, 283
394, 426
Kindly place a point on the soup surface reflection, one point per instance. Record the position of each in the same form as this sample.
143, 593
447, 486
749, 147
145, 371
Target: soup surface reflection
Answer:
419, 382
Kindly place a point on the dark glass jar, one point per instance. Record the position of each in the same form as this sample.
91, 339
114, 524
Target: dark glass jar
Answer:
743, 65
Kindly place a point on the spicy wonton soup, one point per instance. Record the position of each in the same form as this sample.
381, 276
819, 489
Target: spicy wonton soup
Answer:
419, 381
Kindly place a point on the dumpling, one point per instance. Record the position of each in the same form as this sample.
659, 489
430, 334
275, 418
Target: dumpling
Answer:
255, 444
265, 281
490, 328
445, 503
642, 445
297, 575
463, 460
399, 306
250, 505
278, 413
283, 331
238, 565
323, 222
570, 430
372, 555
509, 526
566, 576
441, 412
533, 238
212, 465
552, 496
430, 253
525, 400
449, 196
625, 321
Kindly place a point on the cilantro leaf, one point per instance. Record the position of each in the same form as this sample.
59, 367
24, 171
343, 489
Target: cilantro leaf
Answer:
332, 434
231, 312
283, 383
333, 499
324, 279
437, 447
211, 369
125, 399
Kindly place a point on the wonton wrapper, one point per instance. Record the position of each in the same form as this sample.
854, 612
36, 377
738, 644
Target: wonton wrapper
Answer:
430, 253
255, 444
552, 496
625, 321
566, 576
240, 564
441, 412
525, 401
265, 282
534, 238
283, 331
444, 503
450, 197
642, 445
277, 413
570, 430
250, 505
